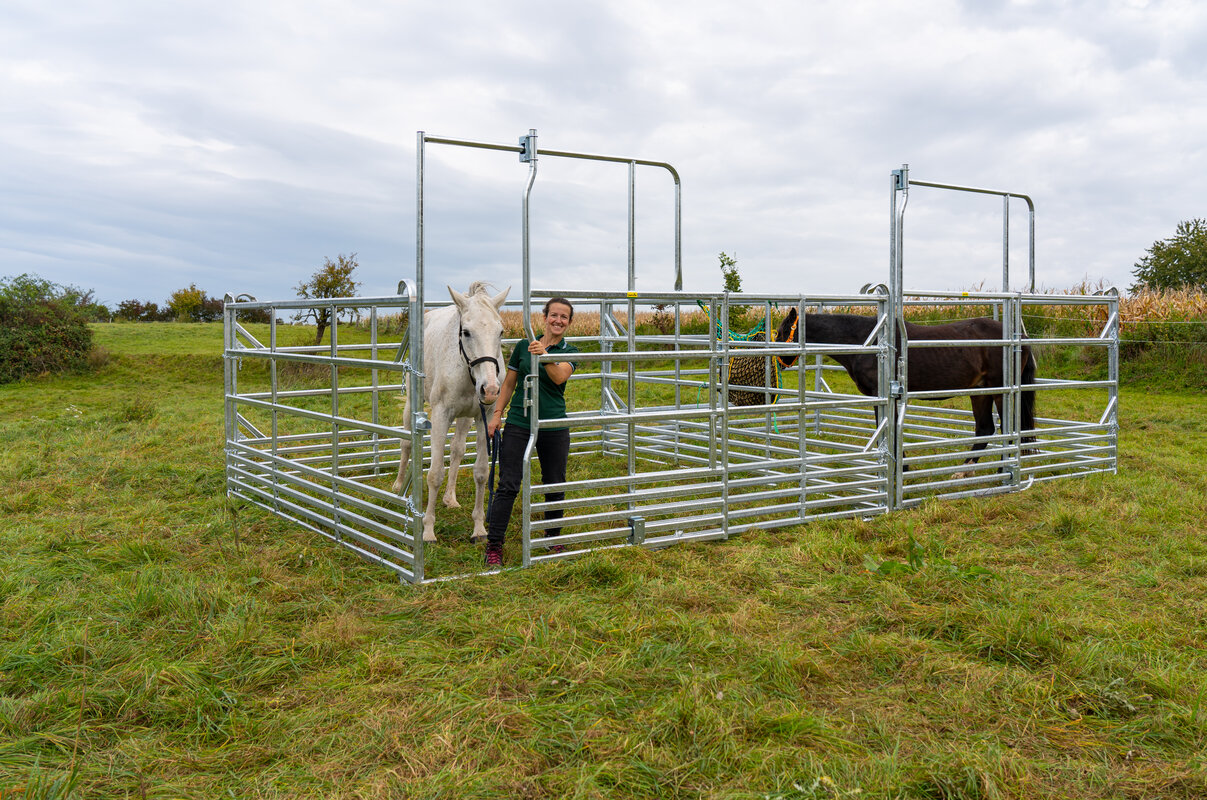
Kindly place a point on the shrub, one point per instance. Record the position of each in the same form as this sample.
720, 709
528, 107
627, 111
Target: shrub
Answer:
43, 328
333, 279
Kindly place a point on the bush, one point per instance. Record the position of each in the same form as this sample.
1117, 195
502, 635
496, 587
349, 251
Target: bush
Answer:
138, 311
43, 327
193, 305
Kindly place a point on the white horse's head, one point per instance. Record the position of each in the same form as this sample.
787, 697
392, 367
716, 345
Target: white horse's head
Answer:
481, 338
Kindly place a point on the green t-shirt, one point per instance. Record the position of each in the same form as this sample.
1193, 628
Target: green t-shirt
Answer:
551, 396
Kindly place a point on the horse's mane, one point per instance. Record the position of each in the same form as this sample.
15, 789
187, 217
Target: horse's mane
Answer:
478, 287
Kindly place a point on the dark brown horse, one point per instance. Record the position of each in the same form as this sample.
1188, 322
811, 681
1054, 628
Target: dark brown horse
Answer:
930, 368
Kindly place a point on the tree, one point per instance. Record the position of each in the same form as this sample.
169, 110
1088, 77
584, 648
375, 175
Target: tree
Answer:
729, 271
186, 304
138, 311
733, 283
334, 279
43, 327
1179, 262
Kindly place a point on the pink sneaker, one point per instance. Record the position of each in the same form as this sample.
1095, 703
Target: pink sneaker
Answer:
494, 554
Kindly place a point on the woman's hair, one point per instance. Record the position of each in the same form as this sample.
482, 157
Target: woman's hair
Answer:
560, 301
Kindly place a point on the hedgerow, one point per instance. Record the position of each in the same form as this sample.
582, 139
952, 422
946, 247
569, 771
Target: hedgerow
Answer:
43, 327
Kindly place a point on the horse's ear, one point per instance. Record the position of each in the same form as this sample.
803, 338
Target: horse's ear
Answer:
500, 298
785, 327
458, 298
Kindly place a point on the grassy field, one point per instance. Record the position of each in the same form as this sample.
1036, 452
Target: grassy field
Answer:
155, 644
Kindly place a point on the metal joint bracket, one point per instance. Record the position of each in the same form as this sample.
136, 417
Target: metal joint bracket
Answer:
528, 147
896, 390
636, 530
422, 423
901, 177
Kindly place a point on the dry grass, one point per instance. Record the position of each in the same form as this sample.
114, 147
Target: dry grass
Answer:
1140, 309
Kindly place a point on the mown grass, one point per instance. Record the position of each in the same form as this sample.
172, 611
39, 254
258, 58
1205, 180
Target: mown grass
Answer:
155, 643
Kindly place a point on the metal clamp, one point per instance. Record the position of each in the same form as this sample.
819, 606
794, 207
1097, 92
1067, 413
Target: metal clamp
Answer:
636, 530
528, 147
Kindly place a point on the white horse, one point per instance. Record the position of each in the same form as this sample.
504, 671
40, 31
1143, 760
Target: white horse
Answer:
463, 368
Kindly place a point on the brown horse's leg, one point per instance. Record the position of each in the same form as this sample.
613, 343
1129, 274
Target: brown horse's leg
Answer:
982, 414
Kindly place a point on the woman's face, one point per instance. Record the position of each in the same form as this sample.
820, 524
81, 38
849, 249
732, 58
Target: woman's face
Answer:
557, 318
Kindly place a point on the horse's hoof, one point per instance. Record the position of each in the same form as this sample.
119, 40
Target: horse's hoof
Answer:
451, 502
478, 536
428, 536
397, 487
959, 476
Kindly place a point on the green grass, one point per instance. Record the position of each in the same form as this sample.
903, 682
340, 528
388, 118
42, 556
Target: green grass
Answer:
154, 644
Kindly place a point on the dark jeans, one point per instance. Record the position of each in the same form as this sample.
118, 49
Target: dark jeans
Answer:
553, 450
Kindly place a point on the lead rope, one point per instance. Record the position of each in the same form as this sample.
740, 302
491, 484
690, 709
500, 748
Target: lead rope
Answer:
493, 442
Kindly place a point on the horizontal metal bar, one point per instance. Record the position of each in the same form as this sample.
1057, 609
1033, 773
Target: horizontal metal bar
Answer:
404, 573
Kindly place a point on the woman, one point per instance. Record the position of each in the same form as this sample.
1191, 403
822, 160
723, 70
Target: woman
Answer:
552, 444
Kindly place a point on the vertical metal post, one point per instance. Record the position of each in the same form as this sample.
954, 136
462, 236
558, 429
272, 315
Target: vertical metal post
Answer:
1005, 243
1113, 375
419, 159
276, 414
334, 319
723, 402
1031, 245
632, 231
894, 364
374, 406
414, 377
230, 387
678, 232
412, 381
528, 156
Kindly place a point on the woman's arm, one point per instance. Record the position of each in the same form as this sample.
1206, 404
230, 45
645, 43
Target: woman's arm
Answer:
559, 371
505, 392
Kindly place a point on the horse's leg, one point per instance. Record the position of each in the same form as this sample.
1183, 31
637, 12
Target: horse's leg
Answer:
481, 475
405, 448
435, 473
454, 461
982, 413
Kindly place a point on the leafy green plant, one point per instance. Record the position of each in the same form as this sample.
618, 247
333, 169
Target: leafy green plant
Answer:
919, 558
42, 328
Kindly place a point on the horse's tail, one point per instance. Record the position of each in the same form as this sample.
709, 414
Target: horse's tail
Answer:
1028, 395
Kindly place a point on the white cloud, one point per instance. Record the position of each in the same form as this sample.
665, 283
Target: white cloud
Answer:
235, 146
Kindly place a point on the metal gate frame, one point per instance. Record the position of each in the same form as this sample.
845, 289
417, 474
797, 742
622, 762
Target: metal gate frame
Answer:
1063, 446
830, 455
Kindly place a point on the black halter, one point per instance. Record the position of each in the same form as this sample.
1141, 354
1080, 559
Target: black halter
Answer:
470, 364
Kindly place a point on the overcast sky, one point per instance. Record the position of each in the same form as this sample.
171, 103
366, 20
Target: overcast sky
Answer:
147, 145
